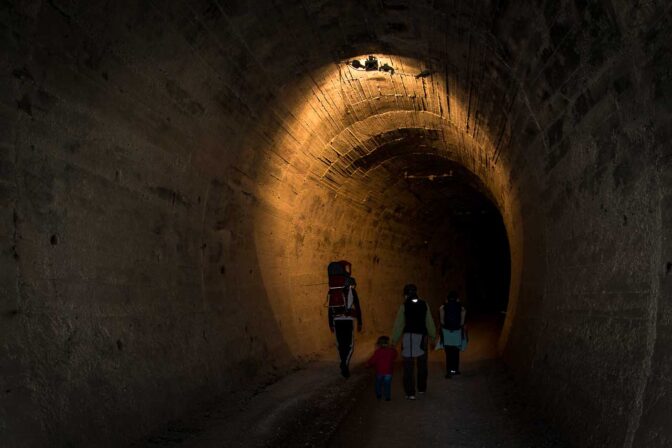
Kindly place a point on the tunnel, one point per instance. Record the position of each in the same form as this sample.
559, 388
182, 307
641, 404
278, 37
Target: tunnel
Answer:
176, 175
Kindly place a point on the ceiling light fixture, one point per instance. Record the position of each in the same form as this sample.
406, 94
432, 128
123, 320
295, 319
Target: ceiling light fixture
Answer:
431, 177
371, 64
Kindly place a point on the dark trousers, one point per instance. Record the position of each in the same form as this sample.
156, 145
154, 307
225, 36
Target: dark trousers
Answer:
409, 374
384, 385
345, 340
452, 358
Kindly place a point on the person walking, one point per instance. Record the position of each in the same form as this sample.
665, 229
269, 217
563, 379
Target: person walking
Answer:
383, 361
452, 315
414, 324
342, 324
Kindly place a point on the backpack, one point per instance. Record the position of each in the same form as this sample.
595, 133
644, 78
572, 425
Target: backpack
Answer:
452, 315
340, 296
415, 313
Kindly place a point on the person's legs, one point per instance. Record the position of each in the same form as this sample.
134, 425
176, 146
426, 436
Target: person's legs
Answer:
422, 367
380, 380
453, 354
422, 372
457, 360
387, 387
446, 351
409, 380
345, 338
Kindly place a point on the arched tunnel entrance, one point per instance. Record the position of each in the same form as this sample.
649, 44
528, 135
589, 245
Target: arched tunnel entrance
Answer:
403, 190
176, 175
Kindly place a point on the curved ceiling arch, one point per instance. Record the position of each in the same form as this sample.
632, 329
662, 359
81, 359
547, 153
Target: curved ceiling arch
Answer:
339, 120
336, 99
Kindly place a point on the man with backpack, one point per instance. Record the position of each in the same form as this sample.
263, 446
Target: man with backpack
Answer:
344, 310
414, 324
452, 315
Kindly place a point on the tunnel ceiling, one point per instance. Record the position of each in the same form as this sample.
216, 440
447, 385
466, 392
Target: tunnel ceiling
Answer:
420, 185
439, 184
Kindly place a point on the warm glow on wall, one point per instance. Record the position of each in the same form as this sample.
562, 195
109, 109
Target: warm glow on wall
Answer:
315, 191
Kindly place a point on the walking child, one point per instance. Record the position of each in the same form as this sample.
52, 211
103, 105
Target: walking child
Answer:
383, 361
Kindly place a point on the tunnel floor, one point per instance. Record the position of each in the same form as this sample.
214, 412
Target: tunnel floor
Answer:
315, 407
482, 407
474, 411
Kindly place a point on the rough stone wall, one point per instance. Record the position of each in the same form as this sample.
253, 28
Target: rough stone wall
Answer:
135, 285
174, 175
656, 399
590, 203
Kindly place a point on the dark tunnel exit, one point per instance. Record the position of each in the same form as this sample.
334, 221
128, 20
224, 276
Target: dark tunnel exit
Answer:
465, 233
487, 262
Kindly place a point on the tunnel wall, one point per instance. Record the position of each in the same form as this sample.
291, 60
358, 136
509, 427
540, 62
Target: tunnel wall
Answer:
137, 282
585, 330
588, 314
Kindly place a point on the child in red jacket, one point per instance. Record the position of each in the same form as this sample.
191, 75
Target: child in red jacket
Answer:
383, 361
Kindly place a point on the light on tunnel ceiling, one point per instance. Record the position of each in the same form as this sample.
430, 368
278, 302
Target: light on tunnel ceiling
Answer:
371, 64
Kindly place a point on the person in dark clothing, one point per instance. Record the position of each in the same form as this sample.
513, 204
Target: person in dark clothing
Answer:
414, 324
342, 324
452, 315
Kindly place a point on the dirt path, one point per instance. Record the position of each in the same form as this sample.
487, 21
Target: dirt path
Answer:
479, 408
316, 407
300, 410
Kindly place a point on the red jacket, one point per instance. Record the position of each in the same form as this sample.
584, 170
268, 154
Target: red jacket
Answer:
383, 360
